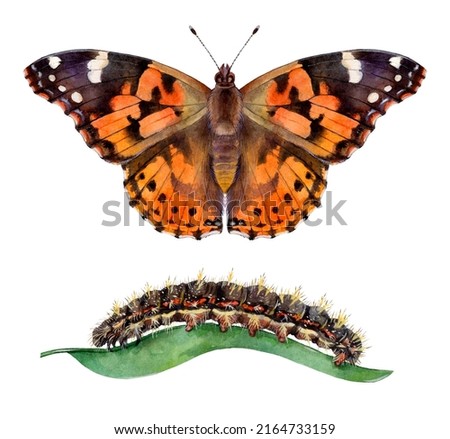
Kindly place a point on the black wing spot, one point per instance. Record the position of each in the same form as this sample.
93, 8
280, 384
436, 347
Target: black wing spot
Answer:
134, 128
298, 185
316, 129
156, 94
146, 108
303, 108
167, 82
282, 82
252, 234
293, 94
197, 234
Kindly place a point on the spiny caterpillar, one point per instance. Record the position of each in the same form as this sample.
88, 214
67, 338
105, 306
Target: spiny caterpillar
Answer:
255, 307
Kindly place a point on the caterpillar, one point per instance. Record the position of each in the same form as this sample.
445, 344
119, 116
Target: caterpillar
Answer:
255, 307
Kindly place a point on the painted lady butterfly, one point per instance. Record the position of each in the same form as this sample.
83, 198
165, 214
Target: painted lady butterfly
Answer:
255, 307
260, 153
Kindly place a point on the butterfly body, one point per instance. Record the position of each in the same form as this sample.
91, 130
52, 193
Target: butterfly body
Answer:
257, 156
225, 106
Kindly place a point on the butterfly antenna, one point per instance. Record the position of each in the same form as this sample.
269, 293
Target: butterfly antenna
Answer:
249, 38
203, 44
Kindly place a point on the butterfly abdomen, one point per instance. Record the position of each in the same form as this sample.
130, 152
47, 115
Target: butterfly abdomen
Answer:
224, 117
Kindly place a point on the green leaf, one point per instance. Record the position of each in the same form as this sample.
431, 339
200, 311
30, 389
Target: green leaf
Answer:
168, 348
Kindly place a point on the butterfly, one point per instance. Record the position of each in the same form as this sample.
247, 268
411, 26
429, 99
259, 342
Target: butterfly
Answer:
256, 156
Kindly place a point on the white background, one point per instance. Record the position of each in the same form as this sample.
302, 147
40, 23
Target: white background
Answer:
61, 269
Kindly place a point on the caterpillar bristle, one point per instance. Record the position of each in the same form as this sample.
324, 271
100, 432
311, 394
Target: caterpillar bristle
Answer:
168, 283
255, 306
298, 293
262, 282
341, 319
324, 304
116, 307
201, 275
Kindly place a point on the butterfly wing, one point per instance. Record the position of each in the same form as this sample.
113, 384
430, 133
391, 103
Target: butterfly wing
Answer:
309, 114
278, 185
171, 184
148, 117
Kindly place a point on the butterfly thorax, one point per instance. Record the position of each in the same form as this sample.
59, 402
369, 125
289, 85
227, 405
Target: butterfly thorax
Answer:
224, 121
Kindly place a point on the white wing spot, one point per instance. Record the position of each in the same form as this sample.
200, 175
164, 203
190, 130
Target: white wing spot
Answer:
395, 61
398, 78
52, 78
62, 88
388, 88
54, 61
76, 97
96, 66
373, 97
353, 67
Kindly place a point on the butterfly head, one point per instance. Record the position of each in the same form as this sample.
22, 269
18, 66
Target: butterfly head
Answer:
224, 77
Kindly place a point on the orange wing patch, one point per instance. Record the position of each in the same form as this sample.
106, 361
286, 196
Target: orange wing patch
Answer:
278, 96
158, 102
172, 94
313, 122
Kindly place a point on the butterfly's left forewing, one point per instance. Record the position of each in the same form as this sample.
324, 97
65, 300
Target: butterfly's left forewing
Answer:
328, 104
146, 116
309, 114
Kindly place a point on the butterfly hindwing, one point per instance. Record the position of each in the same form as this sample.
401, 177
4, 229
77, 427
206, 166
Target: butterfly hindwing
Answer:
145, 116
309, 114
278, 186
170, 184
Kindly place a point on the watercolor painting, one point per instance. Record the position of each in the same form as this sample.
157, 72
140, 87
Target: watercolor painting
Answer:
72, 244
